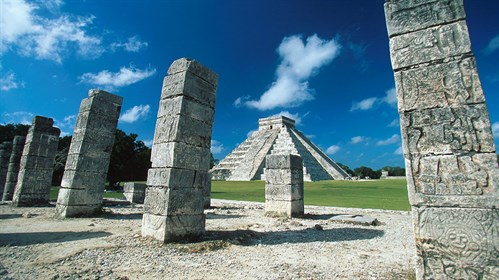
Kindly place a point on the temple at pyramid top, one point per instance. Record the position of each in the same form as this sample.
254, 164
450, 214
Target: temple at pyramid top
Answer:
276, 135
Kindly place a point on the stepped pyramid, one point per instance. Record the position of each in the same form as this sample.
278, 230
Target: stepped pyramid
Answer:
276, 135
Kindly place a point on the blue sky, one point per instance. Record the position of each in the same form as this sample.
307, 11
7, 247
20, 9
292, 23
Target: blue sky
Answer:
323, 62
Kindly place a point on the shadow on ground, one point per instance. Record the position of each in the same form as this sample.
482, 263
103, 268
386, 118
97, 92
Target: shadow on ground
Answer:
250, 237
31, 238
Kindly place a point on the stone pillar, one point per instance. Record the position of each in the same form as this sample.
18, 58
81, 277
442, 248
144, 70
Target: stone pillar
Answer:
13, 170
284, 185
134, 192
176, 182
37, 163
449, 150
82, 185
5, 152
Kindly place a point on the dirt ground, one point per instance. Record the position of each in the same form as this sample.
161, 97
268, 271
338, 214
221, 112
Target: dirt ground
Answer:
240, 243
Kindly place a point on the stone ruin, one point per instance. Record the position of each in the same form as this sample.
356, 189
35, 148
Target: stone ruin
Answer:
276, 135
84, 178
134, 192
5, 152
37, 163
449, 151
13, 168
284, 185
178, 178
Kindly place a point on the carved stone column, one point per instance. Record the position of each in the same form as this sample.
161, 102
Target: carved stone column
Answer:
449, 150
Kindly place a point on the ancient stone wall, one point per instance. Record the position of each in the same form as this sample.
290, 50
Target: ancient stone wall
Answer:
284, 185
448, 145
82, 185
37, 163
5, 152
13, 169
178, 178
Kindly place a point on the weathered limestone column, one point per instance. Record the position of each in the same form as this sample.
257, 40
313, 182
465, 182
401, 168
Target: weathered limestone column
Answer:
13, 170
134, 192
176, 182
82, 185
37, 163
448, 145
284, 185
5, 152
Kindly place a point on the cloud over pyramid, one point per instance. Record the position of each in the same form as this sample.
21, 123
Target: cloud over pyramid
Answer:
276, 135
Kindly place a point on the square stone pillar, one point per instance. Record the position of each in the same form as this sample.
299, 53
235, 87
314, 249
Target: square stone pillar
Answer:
449, 150
5, 153
178, 178
82, 186
37, 163
13, 169
134, 192
284, 185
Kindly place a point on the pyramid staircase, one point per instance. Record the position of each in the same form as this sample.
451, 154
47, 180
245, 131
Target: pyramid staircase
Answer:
276, 135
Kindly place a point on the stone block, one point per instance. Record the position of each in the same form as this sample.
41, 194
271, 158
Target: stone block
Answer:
180, 155
402, 16
80, 197
182, 129
207, 194
456, 175
430, 44
457, 243
189, 86
171, 177
81, 179
173, 228
172, 201
283, 192
97, 122
88, 163
451, 84
192, 66
135, 192
277, 208
447, 130
86, 210
178, 105
286, 161
284, 176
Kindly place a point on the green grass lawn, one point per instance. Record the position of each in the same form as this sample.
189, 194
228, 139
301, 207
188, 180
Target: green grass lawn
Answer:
378, 194
55, 190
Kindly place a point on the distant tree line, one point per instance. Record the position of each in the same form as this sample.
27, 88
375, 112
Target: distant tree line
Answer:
363, 171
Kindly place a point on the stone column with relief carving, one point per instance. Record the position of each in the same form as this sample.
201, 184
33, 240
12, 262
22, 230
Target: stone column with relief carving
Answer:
449, 150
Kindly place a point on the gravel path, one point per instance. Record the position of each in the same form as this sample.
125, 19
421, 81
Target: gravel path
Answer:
240, 243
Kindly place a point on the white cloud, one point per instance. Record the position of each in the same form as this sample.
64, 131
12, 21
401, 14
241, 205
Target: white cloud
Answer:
299, 61
111, 81
365, 104
135, 113
132, 45
8, 82
394, 123
296, 117
67, 125
390, 98
493, 45
495, 129
45, 38
18, 117
358, 139
395, 138
216, 147
398, 151
331, 150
